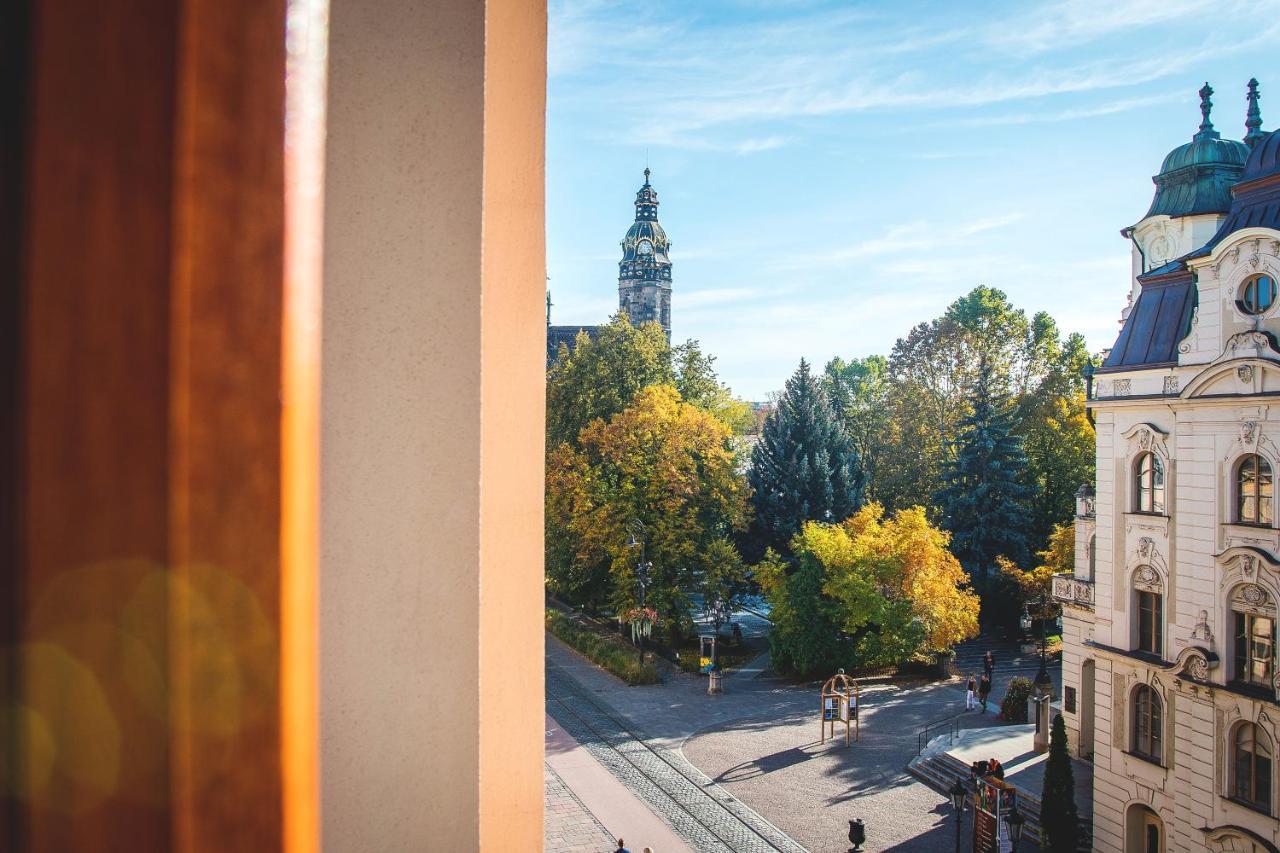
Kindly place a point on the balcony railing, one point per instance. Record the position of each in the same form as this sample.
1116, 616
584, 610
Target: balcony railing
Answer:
1069, 589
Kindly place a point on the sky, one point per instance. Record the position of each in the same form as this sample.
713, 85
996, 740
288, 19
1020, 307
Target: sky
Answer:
832, 173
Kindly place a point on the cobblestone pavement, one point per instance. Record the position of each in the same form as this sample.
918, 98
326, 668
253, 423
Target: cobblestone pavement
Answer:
696, 808
758, 743
569, 827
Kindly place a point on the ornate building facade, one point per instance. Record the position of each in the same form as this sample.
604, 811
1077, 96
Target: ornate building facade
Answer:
1169, 675
644, 275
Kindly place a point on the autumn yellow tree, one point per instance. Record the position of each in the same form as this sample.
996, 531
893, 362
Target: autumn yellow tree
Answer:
889, 585
663, 462
1035, 586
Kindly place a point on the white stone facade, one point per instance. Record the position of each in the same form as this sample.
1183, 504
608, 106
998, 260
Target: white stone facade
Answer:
1200, 418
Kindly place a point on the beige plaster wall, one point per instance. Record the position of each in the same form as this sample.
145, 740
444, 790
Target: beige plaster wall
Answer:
431, 434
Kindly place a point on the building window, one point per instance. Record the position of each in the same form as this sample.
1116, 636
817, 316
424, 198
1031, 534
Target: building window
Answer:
1251, 766
1148, 475
1150, 622
1093, 555
1147, 718
1255, 648
1257, 294
1254, 491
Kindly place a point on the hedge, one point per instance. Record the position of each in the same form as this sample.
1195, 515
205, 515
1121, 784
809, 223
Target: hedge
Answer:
1014, 706
614, 655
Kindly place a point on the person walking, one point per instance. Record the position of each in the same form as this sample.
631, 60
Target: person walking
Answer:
970, 697
621, 847
984, 690
989, 664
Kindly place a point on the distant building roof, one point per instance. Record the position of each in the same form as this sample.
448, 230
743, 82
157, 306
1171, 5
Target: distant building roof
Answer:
567, 335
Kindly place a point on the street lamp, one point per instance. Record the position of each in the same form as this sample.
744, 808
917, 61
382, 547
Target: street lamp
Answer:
857, 835
716, 613
636, 530
957, 793
1043, 681
1014, 820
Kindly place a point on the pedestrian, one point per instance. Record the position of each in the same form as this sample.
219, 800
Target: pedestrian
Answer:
989, 664
984, 690
995, 768
621, 847
970, 691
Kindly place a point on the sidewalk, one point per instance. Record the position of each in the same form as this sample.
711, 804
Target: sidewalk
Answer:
614, 810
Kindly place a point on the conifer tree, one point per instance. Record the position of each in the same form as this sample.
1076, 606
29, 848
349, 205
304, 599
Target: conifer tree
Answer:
982, 498
1059, 820
805, 467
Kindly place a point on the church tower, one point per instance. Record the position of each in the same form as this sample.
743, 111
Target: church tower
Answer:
644, 273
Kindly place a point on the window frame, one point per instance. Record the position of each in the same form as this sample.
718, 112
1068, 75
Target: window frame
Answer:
1149, 723
1245, 644
1263, 504
1155, 631
1261, 788
1145, 489
1242, 292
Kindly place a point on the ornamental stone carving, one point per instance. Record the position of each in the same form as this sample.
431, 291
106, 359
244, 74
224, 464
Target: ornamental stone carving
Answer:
1245, 372
1146, 547
1248, 431
1122, 388
1248, 566
1171, 385
1197, 667
1144, 439
1202, 631
1147, 578
1104, 388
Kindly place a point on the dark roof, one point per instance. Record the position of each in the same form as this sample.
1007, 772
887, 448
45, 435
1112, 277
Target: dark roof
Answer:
567, 335
1160, 319
1255, 200
1196, 177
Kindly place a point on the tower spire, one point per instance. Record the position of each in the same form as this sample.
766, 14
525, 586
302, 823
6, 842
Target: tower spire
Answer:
1253, 121
1206, 126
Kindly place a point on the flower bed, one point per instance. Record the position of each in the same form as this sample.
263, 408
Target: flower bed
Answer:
615, 656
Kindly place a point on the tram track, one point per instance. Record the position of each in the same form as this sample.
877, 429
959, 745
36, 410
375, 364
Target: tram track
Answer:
708, 822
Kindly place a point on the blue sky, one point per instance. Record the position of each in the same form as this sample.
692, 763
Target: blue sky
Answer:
831, 173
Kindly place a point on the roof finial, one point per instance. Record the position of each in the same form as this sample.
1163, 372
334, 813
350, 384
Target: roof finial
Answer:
646, 176
1253, 121
1206, 126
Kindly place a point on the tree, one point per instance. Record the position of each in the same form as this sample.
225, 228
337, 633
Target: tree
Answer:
1059, 820
870, 590
859, 392
661, 461
804, 467
599, 378
983, 499
1036, 584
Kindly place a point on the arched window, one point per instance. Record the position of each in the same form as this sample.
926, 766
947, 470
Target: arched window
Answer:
1251, 767
1147, 719
1148, 484
1254, 490
1253, 618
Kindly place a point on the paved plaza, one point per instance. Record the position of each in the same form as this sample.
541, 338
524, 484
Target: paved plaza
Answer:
745, 771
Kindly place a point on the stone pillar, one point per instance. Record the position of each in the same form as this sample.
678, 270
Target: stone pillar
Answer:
433, 351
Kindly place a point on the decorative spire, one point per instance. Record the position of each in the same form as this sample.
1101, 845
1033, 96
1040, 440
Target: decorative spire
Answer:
646, 176
1206, 126
1253, 122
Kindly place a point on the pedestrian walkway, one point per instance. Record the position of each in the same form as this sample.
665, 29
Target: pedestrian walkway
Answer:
569, 826
588, 809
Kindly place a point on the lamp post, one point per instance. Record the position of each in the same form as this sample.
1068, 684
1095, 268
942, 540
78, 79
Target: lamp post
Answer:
636, 528
857, 835
957, 793
1043, 682
1014, 820
716, 613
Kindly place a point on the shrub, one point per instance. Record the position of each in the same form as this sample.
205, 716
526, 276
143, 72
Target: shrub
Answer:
614, 655
1059, 819
1014, 706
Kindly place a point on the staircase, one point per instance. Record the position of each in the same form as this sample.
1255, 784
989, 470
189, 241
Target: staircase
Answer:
939, 771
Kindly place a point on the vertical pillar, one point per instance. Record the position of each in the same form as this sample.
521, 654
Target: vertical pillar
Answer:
432, 438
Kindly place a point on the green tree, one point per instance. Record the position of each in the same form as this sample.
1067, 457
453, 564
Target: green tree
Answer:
1059, 820
860, 395
804, 467
983, 499
661, 461
805, 639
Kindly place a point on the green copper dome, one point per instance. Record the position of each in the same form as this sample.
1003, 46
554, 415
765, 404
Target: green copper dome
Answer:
1197, 176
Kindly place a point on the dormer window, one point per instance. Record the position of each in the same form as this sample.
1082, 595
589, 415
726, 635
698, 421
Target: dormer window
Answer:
1257, 294
644, 248
1148, 481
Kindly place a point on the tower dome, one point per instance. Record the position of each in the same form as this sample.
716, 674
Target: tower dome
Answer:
1196, 177
644, 273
